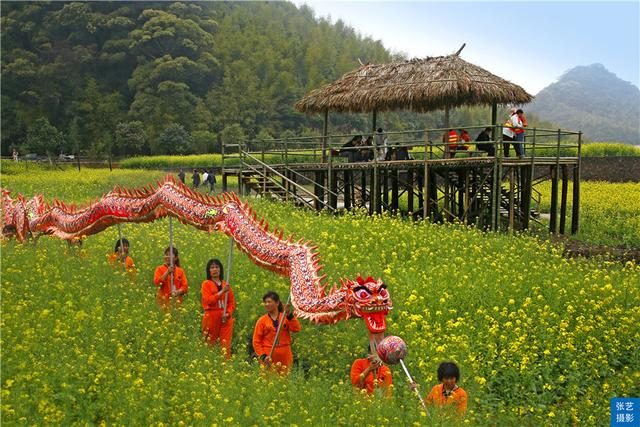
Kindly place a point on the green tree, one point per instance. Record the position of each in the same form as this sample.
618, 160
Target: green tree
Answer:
44, 138
174, 139
130, 138
232, 134
204, 142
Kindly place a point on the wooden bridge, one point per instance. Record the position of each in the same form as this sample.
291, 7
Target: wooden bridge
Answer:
490, 192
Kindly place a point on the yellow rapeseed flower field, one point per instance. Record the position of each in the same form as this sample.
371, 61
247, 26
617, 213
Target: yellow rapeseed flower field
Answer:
540, 339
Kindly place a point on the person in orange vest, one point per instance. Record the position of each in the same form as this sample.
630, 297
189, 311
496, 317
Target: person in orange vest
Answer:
217, 324
120, 255
370, 373
448, 393
451, 139
264, 334
162, 279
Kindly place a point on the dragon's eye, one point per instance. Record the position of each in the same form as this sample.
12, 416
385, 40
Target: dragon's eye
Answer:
362, 293
384, 293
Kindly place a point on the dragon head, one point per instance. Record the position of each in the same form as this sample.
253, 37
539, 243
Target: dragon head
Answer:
369, 298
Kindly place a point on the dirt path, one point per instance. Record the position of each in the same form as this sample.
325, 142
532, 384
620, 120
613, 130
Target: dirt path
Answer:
574, 248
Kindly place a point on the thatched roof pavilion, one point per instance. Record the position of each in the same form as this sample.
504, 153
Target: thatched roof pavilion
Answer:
420, 85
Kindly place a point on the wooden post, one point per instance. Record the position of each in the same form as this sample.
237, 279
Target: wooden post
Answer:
319, 190
347, 189
286, 152
331, 184
333, 188
409, 187
363, 187
285, 184
325, 128
527, 182
575, 208
375, 193
425, 187
385, 187
447, 194
374, 116
432, 194
371, 192
494, 119
294, 178
394, 190
553, 220
465, 212
563, 198
532, 167
512, 191
496, 197
447, 152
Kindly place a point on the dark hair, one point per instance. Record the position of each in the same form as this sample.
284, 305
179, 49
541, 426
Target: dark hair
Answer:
175, 255
448, 370
487, 129
275, 297
125, 242
217, 262
379, 130
519, 110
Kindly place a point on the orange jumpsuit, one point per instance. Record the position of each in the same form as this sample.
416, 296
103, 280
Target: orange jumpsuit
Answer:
265, 333
384, 376
213, 306
457, 398
114, 259
164, 291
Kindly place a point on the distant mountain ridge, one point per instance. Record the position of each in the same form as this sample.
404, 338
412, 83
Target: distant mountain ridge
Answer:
593, 100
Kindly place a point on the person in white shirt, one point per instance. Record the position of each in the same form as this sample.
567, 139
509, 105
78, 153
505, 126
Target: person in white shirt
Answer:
509, 134
382, 144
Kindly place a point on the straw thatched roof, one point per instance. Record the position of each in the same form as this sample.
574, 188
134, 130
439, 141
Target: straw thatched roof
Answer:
418, 84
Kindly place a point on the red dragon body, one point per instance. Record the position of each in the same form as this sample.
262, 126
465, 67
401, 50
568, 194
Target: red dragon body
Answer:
366, 298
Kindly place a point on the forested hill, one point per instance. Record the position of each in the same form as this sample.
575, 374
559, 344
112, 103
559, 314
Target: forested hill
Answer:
114, 76
594, 100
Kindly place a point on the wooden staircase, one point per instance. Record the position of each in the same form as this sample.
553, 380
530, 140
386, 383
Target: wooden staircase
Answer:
263, 185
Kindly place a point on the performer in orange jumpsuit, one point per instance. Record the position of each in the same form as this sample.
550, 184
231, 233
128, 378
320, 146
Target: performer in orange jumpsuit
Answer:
162, 279
216, 323
364, 371
120, 256
264, 334
448, 393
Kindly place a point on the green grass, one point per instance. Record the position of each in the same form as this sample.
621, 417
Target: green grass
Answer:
541, 340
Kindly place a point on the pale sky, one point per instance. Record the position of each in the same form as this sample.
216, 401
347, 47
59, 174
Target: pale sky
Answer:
529, 43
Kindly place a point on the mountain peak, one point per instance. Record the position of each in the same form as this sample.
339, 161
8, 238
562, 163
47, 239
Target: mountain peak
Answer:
592, 99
